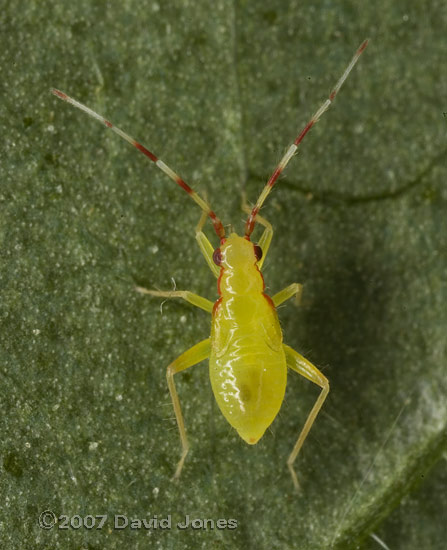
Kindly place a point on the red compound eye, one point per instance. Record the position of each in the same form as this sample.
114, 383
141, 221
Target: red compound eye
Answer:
258, 252
217, 256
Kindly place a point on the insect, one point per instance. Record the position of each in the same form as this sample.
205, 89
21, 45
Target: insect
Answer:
248, 360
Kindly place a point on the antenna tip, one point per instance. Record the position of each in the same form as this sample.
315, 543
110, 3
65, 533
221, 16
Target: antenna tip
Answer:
58, 94
363, 46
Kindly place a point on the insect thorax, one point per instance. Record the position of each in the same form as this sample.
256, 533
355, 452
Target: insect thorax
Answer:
240, 274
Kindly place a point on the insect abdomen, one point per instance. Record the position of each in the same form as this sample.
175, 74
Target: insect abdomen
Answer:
247, 364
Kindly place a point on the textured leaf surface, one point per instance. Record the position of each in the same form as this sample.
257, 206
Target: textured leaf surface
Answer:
218, 90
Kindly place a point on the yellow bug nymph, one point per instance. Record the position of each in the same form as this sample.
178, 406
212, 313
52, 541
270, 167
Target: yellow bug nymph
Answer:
247, 358
247, 364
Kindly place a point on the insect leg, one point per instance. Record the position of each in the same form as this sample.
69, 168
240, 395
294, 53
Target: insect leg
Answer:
205, 246
190, 297
266, 237
302, 366
189, 358
295, 289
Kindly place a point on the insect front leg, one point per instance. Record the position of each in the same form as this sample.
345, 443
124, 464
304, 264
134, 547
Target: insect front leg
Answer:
189, 358
190, 297
205, 246
295, 289
302, 366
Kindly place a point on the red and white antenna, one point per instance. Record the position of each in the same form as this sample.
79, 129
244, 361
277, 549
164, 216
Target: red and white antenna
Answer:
250, 224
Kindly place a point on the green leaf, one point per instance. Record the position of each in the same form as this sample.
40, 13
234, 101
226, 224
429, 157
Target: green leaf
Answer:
218, 91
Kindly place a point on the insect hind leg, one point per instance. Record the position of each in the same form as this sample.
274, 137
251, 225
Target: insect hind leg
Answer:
189, 358
302, 366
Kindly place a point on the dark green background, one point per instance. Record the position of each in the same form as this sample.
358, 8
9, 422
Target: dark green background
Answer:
218, 90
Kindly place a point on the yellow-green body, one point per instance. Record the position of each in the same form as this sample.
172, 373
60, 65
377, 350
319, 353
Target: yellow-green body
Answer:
247, 365
247, 358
